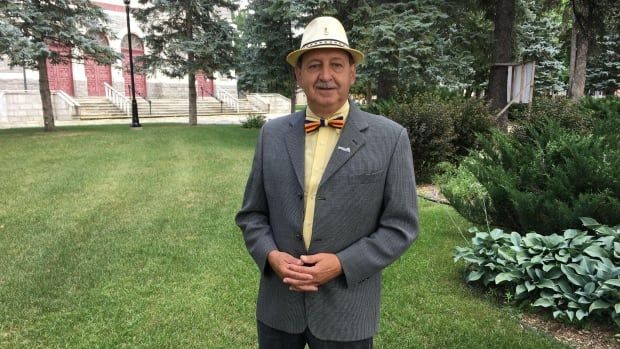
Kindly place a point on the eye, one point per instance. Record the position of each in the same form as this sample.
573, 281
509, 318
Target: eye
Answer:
337, 66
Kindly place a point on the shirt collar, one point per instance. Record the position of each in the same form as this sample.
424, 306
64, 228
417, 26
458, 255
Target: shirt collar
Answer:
344, 111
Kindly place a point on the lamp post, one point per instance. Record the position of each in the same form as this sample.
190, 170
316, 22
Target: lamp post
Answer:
135, 122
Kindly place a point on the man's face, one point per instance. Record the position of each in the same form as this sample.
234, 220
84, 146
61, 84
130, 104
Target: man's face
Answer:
325, 76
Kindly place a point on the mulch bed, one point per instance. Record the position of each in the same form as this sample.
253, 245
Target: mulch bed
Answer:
596, 336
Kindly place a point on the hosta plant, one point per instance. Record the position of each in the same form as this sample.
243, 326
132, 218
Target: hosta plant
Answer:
575, 274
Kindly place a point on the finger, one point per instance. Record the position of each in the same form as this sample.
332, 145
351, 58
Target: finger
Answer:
294, 261
299, 283
307, 288
288, 273
290, 259
311, 259
303, 269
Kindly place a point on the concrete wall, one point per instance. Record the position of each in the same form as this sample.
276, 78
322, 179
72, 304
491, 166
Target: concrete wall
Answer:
270, 102
25, 106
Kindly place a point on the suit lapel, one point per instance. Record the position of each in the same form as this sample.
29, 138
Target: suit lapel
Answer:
295, 142
351, 140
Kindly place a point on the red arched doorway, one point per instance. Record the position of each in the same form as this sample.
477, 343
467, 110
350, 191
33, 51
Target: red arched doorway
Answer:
137, 51
204, 86
97, 74
60, 75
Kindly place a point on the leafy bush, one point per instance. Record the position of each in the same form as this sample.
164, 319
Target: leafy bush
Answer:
606, 113
575, 275
547, 177
465, 194
254, 121
564, 111
429, 124
472, 118
441, 128
602, 108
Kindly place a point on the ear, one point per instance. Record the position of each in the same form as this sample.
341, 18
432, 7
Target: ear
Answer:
353, 73
297, 73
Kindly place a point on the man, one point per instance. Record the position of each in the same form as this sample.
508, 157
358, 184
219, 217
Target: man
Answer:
330, 202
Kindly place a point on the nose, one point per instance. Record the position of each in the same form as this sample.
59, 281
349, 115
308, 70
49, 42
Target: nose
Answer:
325, 74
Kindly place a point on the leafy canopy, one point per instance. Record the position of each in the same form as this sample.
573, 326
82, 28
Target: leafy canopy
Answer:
186, 36
28, 27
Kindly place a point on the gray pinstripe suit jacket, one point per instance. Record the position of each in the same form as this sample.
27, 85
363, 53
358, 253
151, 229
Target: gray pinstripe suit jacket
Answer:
366, 213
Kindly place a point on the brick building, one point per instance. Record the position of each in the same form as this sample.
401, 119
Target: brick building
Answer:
88, 78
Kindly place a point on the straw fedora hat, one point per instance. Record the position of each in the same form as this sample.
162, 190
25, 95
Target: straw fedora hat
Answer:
324, 32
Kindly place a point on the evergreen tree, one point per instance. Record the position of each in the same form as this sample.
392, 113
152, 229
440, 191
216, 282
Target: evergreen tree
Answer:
186, 37
465, 48
590, 19
266, 38
603, 73
30, 27
402, 43
538, 39
417, 45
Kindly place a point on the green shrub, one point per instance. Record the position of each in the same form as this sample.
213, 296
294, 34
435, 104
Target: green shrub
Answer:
465, 194
441, 128
576, 275
566, 112
429, 123
606, 113
547, 177
602, 108
254, 121
471, 119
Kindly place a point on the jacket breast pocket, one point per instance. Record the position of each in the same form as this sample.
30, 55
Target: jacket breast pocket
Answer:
366, 178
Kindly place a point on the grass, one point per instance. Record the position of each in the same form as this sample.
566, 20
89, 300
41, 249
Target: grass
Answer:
111, 237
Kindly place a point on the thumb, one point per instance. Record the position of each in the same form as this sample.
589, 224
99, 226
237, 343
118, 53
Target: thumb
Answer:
311, 259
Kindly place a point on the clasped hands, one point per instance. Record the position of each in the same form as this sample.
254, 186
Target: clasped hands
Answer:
306, 273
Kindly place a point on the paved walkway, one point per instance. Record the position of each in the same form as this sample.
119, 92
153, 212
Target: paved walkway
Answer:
202, 120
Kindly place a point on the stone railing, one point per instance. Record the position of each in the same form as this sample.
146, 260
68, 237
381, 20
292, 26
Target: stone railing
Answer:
270, 102
121, 102
72, 103
225, 97
258, 102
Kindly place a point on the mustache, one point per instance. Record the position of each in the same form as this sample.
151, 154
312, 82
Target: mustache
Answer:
325, 85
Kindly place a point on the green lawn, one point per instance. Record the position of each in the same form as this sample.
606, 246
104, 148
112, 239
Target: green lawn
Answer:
117, 238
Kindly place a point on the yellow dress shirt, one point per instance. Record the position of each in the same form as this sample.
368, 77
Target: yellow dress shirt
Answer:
319, 146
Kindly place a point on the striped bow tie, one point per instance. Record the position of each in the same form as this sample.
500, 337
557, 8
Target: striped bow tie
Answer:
313, 124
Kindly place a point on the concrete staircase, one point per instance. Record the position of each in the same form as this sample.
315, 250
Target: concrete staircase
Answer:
92, 108
96, 108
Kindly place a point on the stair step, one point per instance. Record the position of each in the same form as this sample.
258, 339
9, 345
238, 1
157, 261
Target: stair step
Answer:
94, 108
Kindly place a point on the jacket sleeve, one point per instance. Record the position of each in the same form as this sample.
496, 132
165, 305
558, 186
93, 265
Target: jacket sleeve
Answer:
398, 223
253, 218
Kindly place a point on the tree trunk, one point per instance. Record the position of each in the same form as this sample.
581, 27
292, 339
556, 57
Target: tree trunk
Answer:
368, 95
293, 84
385, 85
191, 75
46, 96
193, 115
578, 51
502, 53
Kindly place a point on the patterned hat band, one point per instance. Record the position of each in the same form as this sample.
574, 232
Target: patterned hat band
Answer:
324, 32
325, 42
